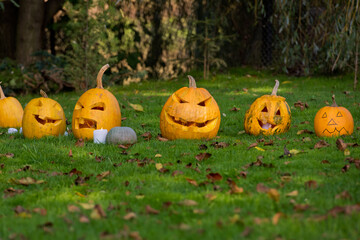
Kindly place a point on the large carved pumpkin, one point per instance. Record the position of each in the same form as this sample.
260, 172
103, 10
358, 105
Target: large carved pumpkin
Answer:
268, 115
333, 121
11, 111
97, 108
43, 117
190, 113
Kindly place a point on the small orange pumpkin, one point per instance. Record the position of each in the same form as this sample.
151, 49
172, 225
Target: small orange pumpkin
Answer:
268, 115
333, 121
43, 117
11, 111
190, 113
97, 108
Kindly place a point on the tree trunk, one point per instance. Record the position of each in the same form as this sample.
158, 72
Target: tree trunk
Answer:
8, 22
29, 30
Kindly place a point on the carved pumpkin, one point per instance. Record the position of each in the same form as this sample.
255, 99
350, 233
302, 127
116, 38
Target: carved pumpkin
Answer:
190, 113
333, 121
97, 108
11, 111
43, 117
268, 115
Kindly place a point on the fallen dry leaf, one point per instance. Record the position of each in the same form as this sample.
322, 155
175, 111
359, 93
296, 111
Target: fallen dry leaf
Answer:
84, 219
275, 219
73, 208
161, 139
321, 144
129, 216
11, 192
97, 212
192, 182
304, 131
292, 194
102, 175
214, 177
79, 143
70, 153
150, 210
203, 156
340, 144
41, 211
136, 107
274, 194
188, 203
261, 188
8, 155
311, 184
26, 181
252, 145
345, 168
147, 136
301, 105
234, 189
343, 195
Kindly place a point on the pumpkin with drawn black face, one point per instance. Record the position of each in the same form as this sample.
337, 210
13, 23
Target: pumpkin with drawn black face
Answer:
268, 115
190, 113
43, 117
333, 121
97, 108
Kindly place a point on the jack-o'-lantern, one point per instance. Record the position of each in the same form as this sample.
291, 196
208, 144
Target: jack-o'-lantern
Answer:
333, 121
97, 108
190, 113
11, 111
268, 115
43, 117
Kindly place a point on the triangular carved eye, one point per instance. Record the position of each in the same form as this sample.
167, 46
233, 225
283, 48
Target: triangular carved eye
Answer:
205, 102
324, 115
339, 114
264, 109
278, 113
177, 99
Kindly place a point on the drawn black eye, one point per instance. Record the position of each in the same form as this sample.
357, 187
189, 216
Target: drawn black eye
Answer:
339, 114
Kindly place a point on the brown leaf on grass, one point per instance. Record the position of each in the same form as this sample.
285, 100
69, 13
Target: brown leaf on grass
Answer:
247, 231
79, 143
177, 172
73, 208
147, 136
304, 131
345, 168
26, 181
275, 219
269, 143
84, 219
202, 147
210, 196
306, 139
81, 181
150, 210
11, 192
301, 105
321, 144
243, 174
73, 171
311, 184
161, 138
261, 188
305, 122
301, 207
234, 109
343, 195
340, 144
188, 203
325, 162
202, 156
41, 211
129, 216
97, 212
102, 175
220, 144
7, 155
192, 182
252, 145
70, 153
234, 189
20, 209
274, 194
214, 177
47, 227
292, 194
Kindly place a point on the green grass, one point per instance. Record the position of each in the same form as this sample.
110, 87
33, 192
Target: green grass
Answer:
130, 187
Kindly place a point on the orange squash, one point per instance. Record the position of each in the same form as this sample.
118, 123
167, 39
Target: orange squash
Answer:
268, 115
11, 111
97, 108
333, 121
43, 117
190, 113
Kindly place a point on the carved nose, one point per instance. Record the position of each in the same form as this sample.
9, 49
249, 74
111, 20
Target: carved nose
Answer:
331, 122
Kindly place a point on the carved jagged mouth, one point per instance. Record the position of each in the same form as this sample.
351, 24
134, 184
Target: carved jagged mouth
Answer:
46, 120
86, 123
336, 130
266, 126
189, 123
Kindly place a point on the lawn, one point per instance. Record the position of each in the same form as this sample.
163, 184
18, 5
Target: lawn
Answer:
166, 190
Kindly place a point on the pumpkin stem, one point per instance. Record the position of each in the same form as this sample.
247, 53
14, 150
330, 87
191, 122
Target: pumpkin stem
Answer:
334, 103
99, 76
2, 95
192, 83
43, 93
274, 91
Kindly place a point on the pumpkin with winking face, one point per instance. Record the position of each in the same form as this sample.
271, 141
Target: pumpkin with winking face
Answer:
333, 121
190, 113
